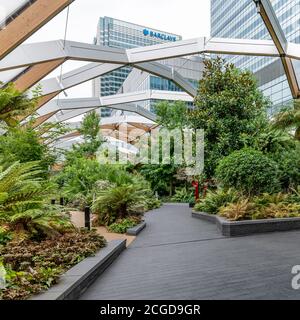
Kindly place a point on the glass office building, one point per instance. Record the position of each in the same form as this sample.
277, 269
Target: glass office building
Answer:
121, 34
239, 19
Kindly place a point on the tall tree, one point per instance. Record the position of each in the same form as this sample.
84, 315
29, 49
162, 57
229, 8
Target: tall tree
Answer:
172, 115
23, 144
227, 106
90, 131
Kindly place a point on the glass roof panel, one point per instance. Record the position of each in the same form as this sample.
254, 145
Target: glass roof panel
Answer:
288, 13
296, 65
9, 8
6, 76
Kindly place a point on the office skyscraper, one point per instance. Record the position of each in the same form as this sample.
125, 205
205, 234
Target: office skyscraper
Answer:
239, 19
121, 34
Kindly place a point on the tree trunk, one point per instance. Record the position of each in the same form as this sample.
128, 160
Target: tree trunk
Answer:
123, 211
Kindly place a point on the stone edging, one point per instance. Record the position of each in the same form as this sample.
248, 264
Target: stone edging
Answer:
247, 227
76, 280
134, 231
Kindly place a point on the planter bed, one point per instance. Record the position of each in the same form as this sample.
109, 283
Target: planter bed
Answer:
134, 231
76, 280
247, 227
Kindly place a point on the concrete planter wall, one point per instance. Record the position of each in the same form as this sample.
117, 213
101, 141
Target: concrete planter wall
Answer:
134, 231
247, 227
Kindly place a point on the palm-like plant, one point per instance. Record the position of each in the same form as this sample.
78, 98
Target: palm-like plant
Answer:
289, 118
22, 202
13, 104
118, 201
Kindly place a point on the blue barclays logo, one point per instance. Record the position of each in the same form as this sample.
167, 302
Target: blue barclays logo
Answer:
158, 35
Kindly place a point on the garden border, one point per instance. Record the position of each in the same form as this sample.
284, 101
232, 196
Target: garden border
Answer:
248, 227
134, 231
76, 280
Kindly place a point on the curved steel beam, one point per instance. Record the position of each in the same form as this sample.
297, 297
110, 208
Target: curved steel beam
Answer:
110, 101
94, 70
74, 107
30, 54
64, 115
286, 50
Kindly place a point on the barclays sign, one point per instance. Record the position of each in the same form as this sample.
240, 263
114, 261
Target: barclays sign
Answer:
158, 35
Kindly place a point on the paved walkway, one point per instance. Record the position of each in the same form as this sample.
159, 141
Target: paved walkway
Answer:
180, 257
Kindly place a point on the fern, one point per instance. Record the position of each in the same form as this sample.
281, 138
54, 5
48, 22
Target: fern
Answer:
22, 202
119, 201
215, 200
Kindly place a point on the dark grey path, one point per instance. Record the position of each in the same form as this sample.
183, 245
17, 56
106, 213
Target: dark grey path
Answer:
179, 257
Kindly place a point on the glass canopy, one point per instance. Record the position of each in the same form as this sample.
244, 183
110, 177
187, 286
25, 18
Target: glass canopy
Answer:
10, 75
10, 8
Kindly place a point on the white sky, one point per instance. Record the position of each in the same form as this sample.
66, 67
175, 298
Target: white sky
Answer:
189, 18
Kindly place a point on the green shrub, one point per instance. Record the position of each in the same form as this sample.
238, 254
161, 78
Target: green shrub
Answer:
248, 171
266, 199
5, 235
77, 180
24, 144
228, 106
278, 210
241, 210
265, 206
121, 226
117, 202
33, 266
153, 203
82, 179
289, 167
183, 195
216, 199
22, 203
295, 196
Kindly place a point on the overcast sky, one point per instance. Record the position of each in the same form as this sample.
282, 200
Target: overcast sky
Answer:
189, 18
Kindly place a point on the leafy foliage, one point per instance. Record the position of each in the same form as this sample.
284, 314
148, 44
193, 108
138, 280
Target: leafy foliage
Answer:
14, 103
289, 167
90, 130
241, 210
5, 235
122, 225
117, 202
161, 177
265, 206
289, 119
215, 200
82, 179
34, 266
248, 171
24, 144
172, 115
270, 140
278, 210
278, 145
183, 195
152, 203
78, 179
229, 106
22, 203
266, 199
165, 178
